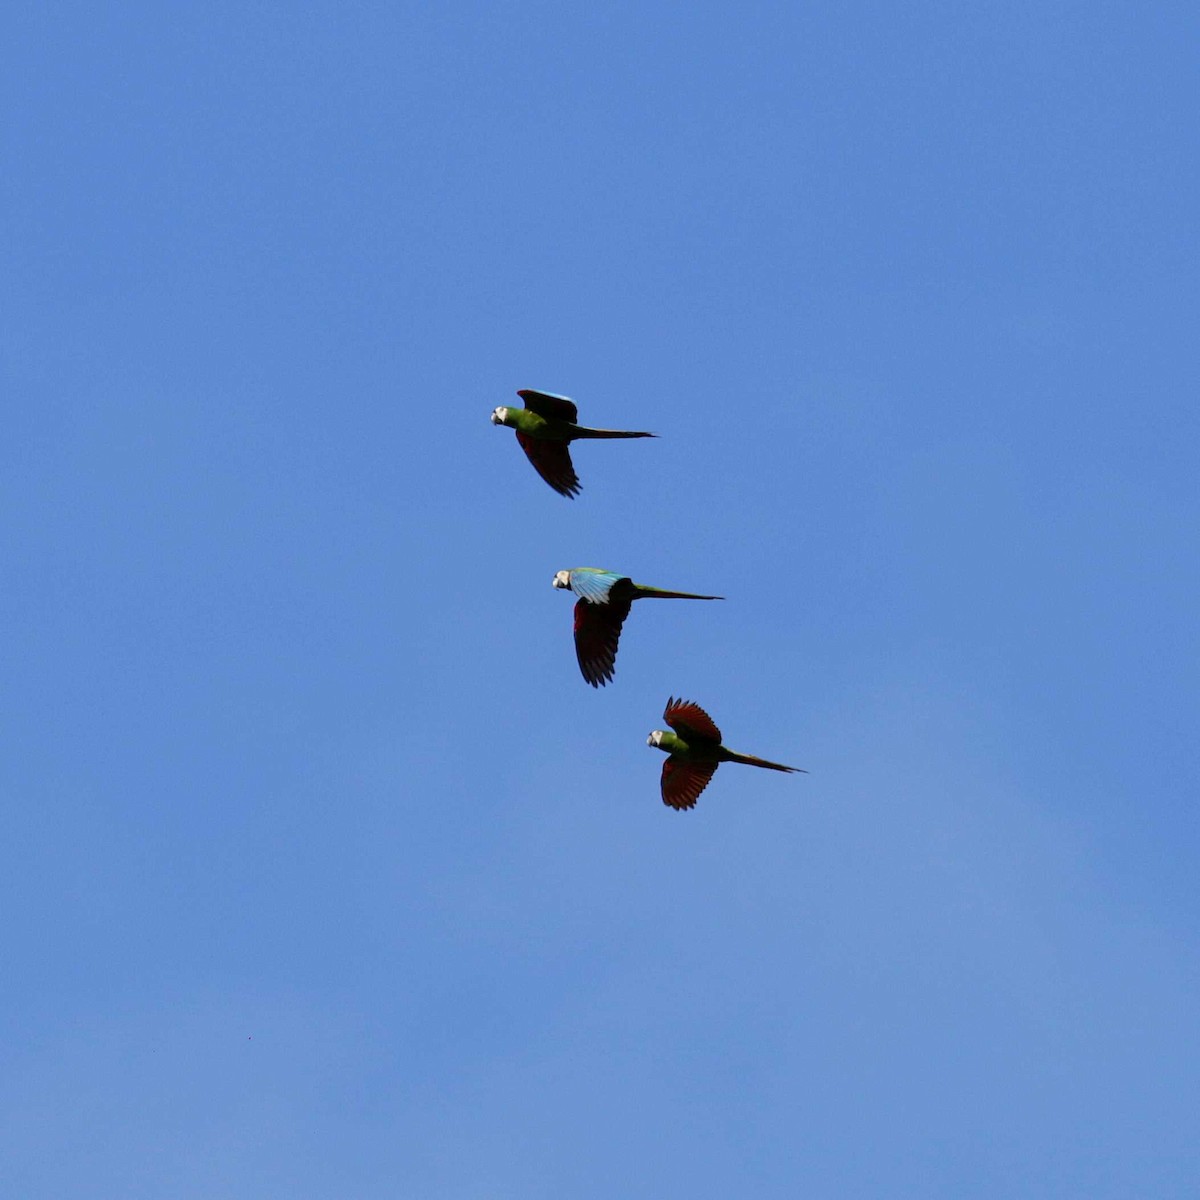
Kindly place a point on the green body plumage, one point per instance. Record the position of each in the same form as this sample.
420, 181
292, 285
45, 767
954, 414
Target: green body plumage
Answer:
694, 751
552, 429
605, 598
545, 429
701, 750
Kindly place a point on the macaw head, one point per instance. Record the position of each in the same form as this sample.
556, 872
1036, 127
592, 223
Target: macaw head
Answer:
655, 739
562, 579
500, 416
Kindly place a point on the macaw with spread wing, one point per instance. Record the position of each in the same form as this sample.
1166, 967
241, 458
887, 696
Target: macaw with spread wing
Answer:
545, 428
604, 602
694, 752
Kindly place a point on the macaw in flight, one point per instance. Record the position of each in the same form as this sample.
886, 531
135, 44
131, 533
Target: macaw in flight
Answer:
545, 427
604, 602
694, 752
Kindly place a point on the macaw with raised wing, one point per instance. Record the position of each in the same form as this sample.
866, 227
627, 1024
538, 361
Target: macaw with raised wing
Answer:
545, 427
694, 752
604, 602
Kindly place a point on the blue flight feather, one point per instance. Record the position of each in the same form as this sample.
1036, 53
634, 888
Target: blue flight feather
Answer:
593, 585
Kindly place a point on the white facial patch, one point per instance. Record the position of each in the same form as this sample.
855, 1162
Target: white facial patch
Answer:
562, 579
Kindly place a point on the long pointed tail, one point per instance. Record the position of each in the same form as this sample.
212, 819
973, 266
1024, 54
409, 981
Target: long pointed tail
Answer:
661, 594
751, 761
582, 431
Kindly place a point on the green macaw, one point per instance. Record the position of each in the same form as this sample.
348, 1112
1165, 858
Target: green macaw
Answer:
694, 752
545, 427
604, 602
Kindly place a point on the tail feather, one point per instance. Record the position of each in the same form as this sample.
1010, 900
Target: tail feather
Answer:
662, 594
582, 431
752, 761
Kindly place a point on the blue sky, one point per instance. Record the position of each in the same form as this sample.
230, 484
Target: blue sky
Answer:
324, 873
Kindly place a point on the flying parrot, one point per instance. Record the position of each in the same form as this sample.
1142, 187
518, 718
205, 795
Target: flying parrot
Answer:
694, 752
604, 601
545, 428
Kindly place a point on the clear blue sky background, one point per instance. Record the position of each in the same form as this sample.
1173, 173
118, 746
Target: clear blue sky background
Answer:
323, 874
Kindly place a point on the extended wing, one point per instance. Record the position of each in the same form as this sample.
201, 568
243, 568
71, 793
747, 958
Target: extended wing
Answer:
690, 721
592, 584
682, 782
547, 404
597, 632
552, 461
